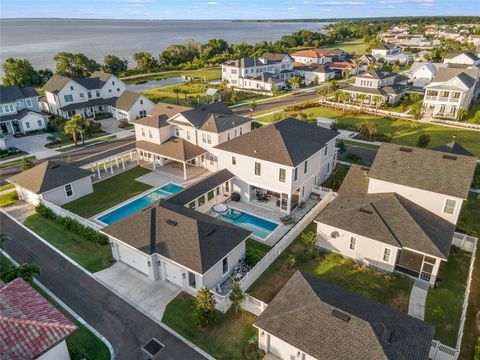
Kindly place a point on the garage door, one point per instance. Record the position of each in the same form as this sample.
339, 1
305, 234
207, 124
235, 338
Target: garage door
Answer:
173, 273
133, 258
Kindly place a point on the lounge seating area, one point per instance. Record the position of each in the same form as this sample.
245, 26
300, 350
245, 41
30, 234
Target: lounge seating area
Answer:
240, 270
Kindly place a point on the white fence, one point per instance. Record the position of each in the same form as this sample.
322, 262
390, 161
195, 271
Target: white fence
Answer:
223, 303
253, 305
457, 123
366, 109
438, 351
65, 213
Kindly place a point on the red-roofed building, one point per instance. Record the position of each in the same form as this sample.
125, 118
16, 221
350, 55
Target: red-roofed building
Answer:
319, 56
340, 67
30, 327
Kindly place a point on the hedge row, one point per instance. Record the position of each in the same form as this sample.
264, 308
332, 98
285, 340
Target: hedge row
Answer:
72, 225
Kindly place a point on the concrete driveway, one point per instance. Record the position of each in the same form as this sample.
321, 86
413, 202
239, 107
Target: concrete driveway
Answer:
30, 144
151, 297
109, 125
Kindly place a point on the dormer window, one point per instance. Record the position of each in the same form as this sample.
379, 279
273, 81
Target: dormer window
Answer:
113, 82
71, 88
29, 102
141, 102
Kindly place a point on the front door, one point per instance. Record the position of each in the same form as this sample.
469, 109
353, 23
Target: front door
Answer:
4, 128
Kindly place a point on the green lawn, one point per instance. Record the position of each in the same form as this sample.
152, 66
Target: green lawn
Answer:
9, 198
393, 290
474, 113
207, 74
7, 156
6, 187
225, 339
356, 47
88, 254
402, 132
110, 192
15, 162
444, 302
255, 251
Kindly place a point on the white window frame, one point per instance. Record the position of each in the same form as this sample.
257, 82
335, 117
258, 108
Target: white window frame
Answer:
66, 191
284, 178
224, 271
387, 252
353, 243
447, 206
259, 169
29, 103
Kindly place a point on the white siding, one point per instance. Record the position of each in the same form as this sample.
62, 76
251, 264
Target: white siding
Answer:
272, 344
58, 352
80, 188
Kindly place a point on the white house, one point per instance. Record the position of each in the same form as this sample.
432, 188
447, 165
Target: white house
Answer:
311, 73
451, 89
54, 181
95, 94
131, 105
312, 319
392, 54
283, 161
20, 111
32, 328
400, 214
461, 57
421, 74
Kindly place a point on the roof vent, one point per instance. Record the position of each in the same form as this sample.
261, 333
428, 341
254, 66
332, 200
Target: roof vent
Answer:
211, 232
335, 234
405, 149
169, 107
172, 222
387, 335
341, 315
366, 211
55, 166
449, 157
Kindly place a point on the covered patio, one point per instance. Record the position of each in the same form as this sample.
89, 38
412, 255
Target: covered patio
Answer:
417, 265
274, 200
174, 156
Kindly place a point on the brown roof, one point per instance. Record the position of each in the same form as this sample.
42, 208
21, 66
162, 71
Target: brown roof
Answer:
48, 175
55, 83
127, 100
159, 115
102, 75
174, 148
424, 169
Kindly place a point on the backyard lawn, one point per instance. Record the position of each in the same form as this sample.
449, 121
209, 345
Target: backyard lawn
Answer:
356, 47
110, 192
225, 339
403, 132
88, 254
390, 289
202, 74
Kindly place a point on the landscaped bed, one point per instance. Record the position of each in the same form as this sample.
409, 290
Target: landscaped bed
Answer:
110, 192
8, 198
90, 255
224, 339
391, 289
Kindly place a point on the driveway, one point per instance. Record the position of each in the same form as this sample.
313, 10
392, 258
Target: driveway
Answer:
126, 328
109, 125
33, 144
150, 296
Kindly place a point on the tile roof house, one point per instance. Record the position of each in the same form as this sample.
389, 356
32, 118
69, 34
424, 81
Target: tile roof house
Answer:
54, 181
30, 327
312, 319
400, 214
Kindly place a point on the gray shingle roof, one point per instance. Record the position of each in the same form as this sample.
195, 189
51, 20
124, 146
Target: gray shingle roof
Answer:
188, 237
454, 53
201, 187
126, 100
159, 115
467, 76
288, 142
13, 93
48, 175
174, 148
424, 169
301, 314
90, 83
387, 217
453, 148
21, 114
55, 83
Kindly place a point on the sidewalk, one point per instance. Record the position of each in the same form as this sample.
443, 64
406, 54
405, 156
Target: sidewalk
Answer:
418, 297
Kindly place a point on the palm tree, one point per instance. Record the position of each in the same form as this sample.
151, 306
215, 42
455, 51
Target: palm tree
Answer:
376, 100
295, 83
253, 106
73, 127
333, 85
322, 93
346, 72
176, 90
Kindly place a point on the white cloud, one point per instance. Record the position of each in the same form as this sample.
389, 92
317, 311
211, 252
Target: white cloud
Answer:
336, 3
212, 3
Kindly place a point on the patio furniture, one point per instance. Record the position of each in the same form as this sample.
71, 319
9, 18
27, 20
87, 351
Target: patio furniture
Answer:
220, 208
289, 219
235, 197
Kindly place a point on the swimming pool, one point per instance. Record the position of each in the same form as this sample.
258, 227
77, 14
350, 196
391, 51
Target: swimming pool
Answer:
135, 205
260, 227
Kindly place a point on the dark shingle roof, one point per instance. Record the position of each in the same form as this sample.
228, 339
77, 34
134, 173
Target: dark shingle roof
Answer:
203, 186
48, 175
453, 148
13, 93
21, 114
301, 314
174, 148
188, 237
387, 217
467, 76
56, 83
90, 83
288, 142
424, 169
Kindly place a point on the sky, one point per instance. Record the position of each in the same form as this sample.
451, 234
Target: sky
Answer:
231, 9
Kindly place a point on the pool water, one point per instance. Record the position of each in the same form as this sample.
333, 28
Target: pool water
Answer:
260, 227
135, 205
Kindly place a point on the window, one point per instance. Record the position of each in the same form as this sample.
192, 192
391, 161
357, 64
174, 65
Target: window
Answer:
258, 169
40, 123
27, 124
234, 160
82, 96
10, 107
191, 280
201, 200
295, 174
282, 174
188, 135
97, 92
113, 82
305, 168
326, 150
141, 101
204, 137
100, 107
192, 205
68, 98
225, 265
109, 90
89, 94
353, 243
233, 71
449, 206
149, 133
212, 160
17, 104
143, 132
118, 89
241, 131
209, 139
29, 103
177, 132
68, 190
386, 255
71, 87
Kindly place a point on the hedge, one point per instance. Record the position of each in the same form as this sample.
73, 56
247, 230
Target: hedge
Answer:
72, 225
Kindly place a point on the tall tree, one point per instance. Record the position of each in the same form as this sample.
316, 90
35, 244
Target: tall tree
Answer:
236, 296
73, 127
145, 61
204, 308
19, 72
27, 163
114, 65
74, 65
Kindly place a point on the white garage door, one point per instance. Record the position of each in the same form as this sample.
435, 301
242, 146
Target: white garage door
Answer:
133, 258
173, 273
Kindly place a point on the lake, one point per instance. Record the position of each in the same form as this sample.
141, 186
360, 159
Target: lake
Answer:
39, 40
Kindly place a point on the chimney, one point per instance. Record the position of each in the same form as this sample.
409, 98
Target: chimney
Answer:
153, 230
454, 137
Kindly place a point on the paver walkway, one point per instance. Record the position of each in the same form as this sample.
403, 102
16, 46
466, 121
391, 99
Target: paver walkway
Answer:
418, 297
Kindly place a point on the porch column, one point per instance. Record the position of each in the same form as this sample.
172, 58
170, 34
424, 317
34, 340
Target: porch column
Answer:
131, 155
138, 157
289, 203
105, 165
116, 160
98, 170
111, 167
153, 162
123, 163
184, 170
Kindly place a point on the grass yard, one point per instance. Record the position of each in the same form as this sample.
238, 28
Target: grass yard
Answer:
110, 192
15, 162
67, 140
444, 303
11, 155
255, 251
390, 289
9, 198
207, 74
402, 132
225, 339
6, 187
356, 47
88, 254
81, 344
468, 223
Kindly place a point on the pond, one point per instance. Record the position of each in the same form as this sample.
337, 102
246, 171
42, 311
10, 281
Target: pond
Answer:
152, 84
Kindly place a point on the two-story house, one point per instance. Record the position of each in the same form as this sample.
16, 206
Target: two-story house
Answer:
182, 136
281, 162
312, 56
421, 74
451, 89
20, 111
462, 57
400, 214
259, 73
378, 87
391, 54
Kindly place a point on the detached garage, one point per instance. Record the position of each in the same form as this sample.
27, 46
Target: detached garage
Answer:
54, 181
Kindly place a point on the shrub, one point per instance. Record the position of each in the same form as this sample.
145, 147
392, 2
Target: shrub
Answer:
253, 256
25, 271
423, 140
123, 123
476, 351
204, 308
252, 352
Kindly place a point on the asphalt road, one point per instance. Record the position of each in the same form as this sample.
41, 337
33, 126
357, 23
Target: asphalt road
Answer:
125, 327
